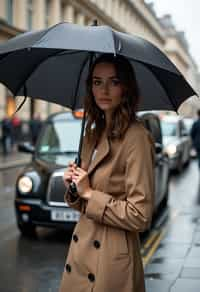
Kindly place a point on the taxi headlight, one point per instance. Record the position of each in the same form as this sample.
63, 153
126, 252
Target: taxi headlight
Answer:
171, 149
25, 184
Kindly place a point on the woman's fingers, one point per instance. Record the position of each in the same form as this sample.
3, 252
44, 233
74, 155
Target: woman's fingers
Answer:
68, 175
72, 164
73, 173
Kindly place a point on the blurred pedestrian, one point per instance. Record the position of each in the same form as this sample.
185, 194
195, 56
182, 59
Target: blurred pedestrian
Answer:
35, 127
16, 123
7, 135
115, 185
195, 135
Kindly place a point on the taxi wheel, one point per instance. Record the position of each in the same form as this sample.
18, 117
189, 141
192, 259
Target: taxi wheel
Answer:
28, 230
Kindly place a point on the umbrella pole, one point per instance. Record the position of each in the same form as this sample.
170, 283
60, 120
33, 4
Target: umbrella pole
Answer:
78, 159
72, 186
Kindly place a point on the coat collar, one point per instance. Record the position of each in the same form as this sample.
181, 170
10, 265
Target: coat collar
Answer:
103, 149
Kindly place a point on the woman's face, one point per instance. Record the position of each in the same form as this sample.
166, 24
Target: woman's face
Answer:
106, 87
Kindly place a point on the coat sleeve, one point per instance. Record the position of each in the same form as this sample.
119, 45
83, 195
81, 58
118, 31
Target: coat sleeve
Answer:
134, 213
78, 203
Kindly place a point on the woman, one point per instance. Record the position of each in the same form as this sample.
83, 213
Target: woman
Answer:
115, 185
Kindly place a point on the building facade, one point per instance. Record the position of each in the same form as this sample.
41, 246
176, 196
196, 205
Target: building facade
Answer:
132, 16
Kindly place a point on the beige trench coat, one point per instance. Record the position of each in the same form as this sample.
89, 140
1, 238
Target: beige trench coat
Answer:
104, 254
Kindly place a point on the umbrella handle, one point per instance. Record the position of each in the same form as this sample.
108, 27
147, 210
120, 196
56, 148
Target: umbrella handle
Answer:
73, 190
72, 186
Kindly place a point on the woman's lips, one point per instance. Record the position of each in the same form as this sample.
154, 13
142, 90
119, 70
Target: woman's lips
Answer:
104, 100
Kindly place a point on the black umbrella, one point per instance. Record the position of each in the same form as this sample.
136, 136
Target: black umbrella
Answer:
52, 65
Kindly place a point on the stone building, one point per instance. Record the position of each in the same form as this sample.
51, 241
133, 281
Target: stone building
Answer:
132, 16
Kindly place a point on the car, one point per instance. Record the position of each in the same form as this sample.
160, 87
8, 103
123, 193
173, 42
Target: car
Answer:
39, 199
188, 122
177, 142
152, 123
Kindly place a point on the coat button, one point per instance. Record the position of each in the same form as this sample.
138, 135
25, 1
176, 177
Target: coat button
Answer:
97, 244
75, 237
68, 268
91, 277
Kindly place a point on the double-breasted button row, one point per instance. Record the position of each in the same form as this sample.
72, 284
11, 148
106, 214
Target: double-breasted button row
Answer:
91, 277
96, 242
68, 268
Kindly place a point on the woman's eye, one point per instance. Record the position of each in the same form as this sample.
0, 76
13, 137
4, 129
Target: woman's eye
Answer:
96, 82
115, 82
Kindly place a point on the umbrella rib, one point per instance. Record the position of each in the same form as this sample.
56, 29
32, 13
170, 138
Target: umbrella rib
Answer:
31, 72
163, 86
114, 40
45, 33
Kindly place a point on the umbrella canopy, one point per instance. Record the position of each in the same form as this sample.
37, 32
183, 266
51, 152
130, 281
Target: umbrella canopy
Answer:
53, 64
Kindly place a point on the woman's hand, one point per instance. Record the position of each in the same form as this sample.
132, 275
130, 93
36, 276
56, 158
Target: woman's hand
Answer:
67, 177
80, 178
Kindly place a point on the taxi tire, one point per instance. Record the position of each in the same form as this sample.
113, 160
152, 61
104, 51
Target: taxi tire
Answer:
27, 229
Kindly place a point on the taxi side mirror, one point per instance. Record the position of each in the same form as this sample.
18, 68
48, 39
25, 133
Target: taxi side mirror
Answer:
26, 147
158, 147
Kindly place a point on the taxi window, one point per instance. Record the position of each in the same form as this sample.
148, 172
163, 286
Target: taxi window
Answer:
155, 129
60, 136
169, 128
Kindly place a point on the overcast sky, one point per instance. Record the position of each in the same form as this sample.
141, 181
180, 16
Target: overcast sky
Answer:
186, 17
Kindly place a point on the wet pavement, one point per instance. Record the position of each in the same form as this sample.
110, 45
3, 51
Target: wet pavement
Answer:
36, 264
175, 266
13, 159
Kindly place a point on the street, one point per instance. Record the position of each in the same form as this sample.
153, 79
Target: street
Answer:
36, 265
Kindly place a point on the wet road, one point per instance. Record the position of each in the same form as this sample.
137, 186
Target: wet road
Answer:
27, 265
36, 265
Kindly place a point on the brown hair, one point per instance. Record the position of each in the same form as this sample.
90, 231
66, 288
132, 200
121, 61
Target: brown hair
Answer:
124, 114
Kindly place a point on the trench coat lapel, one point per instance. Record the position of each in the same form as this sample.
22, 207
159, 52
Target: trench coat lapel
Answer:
102, 151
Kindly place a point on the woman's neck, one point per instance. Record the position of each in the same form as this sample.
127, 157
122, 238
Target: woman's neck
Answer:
108, 116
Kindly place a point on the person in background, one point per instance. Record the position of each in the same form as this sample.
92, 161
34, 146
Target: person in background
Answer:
35, 127
195, 135
16, 123
7, 135
115, 185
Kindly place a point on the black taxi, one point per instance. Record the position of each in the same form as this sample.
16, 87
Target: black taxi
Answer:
39, 199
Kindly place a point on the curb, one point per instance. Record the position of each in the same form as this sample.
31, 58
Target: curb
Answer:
15, 164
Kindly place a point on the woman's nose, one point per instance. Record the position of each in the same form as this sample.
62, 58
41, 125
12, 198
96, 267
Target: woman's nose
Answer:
105, 87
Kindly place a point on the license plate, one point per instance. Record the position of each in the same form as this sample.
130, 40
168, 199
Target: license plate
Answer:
65, 215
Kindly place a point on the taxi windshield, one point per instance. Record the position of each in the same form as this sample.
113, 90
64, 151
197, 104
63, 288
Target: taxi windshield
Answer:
60, 138
168, 128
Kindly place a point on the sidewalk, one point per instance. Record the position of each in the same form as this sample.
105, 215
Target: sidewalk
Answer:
175, 265
14, 159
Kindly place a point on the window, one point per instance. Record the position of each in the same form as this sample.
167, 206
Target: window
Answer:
9, 10
169, 128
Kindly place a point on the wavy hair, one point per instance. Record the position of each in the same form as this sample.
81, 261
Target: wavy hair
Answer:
125, 113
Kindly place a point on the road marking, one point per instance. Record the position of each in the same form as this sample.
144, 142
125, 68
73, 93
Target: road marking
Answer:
151, 245
153, 248
150, 239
